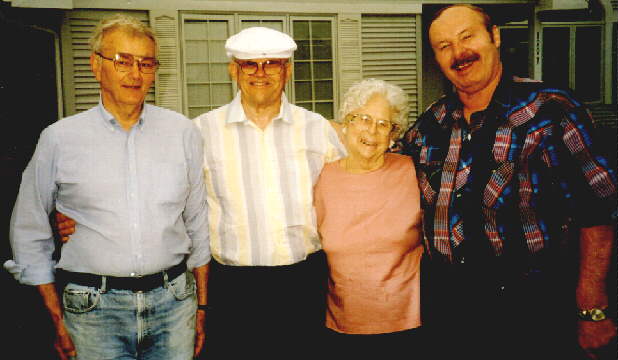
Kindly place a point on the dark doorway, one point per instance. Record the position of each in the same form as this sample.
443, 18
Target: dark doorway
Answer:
29, 103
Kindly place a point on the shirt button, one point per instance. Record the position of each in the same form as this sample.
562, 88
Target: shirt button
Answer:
458, 195
462, 261
132, 274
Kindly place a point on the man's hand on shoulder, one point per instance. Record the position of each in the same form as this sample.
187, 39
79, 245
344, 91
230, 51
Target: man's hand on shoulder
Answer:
64, 226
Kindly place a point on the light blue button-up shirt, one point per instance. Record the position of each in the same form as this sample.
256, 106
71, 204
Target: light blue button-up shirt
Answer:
137, 196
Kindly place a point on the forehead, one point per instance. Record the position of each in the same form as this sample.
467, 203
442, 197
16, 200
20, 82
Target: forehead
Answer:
128, 41
453, 21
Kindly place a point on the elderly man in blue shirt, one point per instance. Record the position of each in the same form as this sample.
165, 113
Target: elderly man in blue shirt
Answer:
130, 174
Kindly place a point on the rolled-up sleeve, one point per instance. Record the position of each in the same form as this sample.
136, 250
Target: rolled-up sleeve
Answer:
195, 214
587, 179
31, 236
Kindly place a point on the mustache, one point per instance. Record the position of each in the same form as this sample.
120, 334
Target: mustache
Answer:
469, 57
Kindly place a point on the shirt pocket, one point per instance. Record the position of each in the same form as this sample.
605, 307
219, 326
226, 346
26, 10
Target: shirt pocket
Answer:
170, 181
499, 187
429, 178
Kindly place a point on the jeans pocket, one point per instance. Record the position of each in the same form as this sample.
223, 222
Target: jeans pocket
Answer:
182, 287
80, 299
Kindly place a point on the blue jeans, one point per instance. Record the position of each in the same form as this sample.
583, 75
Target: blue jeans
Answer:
122, 324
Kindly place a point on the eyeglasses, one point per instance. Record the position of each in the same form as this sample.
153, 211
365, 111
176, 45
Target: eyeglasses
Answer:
123, 62
364, 122
270, 67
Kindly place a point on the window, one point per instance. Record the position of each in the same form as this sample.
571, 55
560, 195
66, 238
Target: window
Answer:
514, 49
313, 66
207, 84
572, 57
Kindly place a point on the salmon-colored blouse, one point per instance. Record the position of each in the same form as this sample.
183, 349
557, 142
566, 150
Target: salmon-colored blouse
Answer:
370, 229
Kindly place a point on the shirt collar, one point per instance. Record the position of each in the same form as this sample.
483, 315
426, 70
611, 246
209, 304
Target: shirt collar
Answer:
110, 121
236, 114
499, 103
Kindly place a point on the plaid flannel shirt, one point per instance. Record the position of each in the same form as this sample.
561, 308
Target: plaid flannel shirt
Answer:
518, 178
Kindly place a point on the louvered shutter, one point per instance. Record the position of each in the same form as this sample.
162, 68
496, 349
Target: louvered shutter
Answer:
349, 46
391, 52
167, 93
80, 88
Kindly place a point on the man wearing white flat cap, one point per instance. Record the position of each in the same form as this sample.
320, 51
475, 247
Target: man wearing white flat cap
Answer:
268, 275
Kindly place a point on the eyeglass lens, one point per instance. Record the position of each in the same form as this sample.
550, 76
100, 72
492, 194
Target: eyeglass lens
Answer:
367, 121
124, 62
270, 67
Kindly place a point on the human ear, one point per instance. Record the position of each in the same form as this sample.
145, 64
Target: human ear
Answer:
232, 69
95, 66
495, 32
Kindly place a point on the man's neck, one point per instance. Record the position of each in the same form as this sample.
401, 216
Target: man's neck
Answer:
261, 114
479, 100
126, 115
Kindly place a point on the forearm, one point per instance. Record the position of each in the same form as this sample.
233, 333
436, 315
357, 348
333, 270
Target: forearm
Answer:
51, 300
201, 279
595, 256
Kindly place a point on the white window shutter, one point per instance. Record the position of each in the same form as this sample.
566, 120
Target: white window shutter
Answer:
349, 47
391, 52
168, 81
80, 88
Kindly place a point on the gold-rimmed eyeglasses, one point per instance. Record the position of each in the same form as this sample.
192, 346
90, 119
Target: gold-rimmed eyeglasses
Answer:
364, 122
270, 67
123, 62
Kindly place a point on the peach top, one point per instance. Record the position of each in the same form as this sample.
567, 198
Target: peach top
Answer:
370, 229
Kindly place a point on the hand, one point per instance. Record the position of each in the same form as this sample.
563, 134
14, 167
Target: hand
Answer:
63, 343
200, 335
594, 335
65, 226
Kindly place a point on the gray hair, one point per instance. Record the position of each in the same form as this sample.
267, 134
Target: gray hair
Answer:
121, 21
360, 92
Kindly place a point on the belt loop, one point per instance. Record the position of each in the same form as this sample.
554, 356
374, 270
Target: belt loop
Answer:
165, 279
103, 287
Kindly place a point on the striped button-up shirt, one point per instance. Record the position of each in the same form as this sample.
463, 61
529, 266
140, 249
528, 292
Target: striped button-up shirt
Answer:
517, 180
137, 196
260, 183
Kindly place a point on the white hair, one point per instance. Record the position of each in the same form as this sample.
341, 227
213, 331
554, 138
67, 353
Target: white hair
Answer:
120, 21
360, 92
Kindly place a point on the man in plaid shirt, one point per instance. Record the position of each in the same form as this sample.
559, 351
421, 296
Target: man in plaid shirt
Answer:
519, 208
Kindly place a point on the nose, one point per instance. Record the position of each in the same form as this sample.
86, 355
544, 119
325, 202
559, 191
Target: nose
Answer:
458, 49
135, 72
373, 127
260, 70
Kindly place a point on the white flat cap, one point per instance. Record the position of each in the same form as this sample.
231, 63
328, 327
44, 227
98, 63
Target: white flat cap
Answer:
260, 42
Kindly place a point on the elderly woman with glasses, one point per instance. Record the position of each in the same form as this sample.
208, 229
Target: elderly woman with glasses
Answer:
369, 216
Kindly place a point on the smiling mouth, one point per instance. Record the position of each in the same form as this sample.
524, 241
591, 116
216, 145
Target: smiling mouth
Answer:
463, 66
367, 142
465, 62
134, 87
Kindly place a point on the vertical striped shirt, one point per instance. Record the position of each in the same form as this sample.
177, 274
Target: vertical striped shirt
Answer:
260, 183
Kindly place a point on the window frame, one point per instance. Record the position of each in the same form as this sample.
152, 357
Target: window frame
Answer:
334, 51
